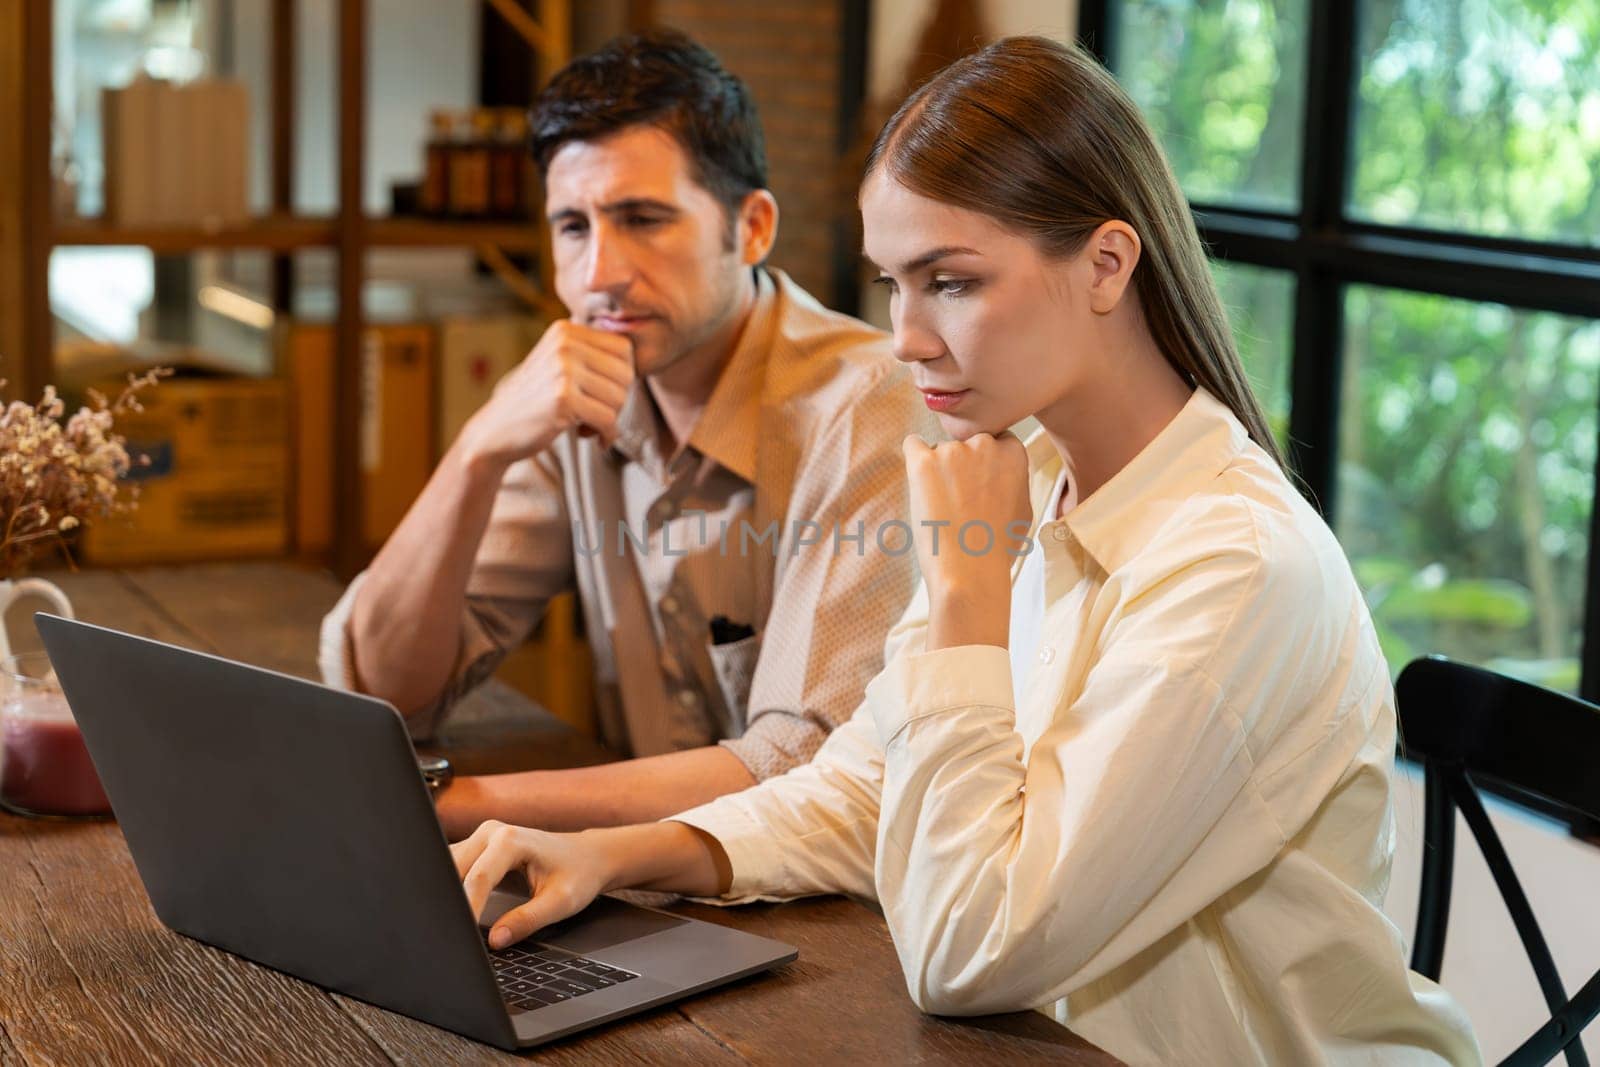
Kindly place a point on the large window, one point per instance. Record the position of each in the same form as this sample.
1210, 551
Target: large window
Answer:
1481, 116
1466, 465
1404, 200
1260, 305
1224, 87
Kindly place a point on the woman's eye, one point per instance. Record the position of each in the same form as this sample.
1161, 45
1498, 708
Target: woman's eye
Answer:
571, 229
885, 281
949, 286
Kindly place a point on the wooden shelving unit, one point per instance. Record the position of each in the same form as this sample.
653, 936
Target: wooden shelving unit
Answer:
28, 232
270, 233
291, 233
426, 233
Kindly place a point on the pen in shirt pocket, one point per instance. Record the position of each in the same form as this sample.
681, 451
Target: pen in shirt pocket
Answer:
724, 631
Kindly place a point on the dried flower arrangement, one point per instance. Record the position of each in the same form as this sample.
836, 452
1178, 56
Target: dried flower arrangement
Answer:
54, 474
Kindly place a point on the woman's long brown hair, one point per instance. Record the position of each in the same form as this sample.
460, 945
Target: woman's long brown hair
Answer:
1041, 138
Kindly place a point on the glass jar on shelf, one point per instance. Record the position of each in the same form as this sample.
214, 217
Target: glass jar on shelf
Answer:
470, 165
511, 178
435, 194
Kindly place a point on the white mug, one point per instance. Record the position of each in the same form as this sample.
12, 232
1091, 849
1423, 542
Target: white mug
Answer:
13, 591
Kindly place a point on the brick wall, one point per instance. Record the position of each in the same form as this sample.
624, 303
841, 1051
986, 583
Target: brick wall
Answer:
788, 52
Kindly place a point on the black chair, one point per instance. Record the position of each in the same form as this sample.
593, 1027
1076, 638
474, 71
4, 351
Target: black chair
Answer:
1473, 728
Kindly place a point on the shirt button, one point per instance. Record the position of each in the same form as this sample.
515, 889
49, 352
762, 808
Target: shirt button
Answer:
689, 698
1046, 654
669, 605
1059, 533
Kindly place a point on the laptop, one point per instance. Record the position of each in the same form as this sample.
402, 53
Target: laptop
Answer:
288, 823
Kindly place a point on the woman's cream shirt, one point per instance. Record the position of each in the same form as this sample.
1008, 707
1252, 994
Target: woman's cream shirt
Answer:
1179, 843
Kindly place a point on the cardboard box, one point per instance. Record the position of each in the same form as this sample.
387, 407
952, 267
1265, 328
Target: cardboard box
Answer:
396, 433
176, 154
396, 424
218, 480
129, 148
223, 154
475, 352
308, 361
175, 160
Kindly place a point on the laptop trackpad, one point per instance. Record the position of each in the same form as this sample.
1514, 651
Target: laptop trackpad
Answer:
602, 924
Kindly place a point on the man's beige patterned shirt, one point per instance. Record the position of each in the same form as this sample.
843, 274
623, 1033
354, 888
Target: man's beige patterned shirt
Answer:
785, 514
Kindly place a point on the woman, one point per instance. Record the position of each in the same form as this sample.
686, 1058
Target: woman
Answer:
1142, 774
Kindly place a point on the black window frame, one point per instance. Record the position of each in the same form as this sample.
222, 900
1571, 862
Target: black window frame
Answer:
1327, 251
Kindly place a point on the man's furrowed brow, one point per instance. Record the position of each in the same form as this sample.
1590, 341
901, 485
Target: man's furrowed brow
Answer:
624, 206
640, 203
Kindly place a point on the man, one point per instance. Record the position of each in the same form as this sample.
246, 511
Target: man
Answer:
707, 455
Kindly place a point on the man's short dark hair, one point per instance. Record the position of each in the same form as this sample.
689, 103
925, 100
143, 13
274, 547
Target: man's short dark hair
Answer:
658, 78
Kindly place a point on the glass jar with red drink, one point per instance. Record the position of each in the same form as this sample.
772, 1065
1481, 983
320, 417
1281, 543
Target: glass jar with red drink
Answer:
44, 767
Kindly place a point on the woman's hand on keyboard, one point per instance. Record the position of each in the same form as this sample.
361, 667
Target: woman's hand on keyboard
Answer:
567, 871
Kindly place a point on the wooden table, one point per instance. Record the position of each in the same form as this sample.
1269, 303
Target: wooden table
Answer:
87, 972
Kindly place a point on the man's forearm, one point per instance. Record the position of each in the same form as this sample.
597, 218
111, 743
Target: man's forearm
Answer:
406, 622
612, 794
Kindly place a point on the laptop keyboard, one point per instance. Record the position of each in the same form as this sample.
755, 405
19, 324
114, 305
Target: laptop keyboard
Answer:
533, 976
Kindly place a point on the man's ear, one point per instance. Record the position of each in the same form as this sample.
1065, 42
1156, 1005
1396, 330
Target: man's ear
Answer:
758, 226
1113, 251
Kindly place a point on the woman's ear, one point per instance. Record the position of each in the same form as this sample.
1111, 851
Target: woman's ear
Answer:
758, 226
1113, 251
